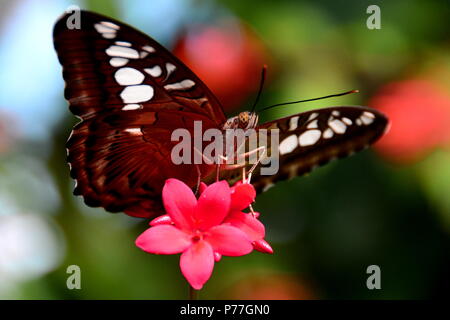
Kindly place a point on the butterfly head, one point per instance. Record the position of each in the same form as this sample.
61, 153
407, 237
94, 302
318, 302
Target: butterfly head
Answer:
245, 120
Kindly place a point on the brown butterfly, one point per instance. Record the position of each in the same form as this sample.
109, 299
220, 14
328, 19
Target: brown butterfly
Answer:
131, 93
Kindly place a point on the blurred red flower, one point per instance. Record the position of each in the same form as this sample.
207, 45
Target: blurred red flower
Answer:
419, 112
228, 59
271, 287
205, 229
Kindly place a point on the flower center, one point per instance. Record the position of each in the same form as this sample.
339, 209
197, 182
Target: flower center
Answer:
197, 237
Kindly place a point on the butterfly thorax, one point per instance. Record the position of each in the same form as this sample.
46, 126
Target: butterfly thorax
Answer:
245, 120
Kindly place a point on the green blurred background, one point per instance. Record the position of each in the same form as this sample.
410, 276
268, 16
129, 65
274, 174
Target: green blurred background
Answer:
388, 206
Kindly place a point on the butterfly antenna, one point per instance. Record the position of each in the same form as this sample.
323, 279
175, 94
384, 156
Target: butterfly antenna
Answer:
320, 98
261, 85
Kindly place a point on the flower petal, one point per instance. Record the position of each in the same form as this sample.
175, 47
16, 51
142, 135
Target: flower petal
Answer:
217, 256
163, 239
213, 205
229, 241
197, 264
164, 219
242, 195
179, 201
202, 187
262, 246
246, 222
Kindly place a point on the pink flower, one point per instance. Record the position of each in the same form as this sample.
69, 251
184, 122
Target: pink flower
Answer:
203, 230
242, 195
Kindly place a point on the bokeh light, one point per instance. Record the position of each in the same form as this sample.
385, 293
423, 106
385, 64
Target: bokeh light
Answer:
419, 112
228, 49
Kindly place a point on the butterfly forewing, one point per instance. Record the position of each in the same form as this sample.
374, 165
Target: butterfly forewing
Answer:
130, 93
109, 65
311, 139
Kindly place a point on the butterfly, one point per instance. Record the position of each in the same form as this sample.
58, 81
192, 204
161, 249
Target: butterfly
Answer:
131, 93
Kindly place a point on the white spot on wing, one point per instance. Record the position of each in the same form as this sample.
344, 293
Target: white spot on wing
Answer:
124, 52
358, 122
108, 31
182, 85
118, 62
110, 25
135, 94
337, 125
103, 29
288, 144
131, 107
148, 49
134, 131
335, 113
110, 35
347, 121
293, 123
154, 71
369, 114
170, 68
312, 116
128, 76
309, 137
123, 43
366, 120
328, 133
312, 125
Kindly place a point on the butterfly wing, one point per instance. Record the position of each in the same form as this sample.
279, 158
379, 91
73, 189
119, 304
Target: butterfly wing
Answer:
311, 139
130, 93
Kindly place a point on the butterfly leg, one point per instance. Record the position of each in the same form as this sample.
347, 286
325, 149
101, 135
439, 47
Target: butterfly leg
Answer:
199, 178
218, 172
221, 160
246, 177
204, 157
249, 177
218, 167
250, 172
243, 165
252, 212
